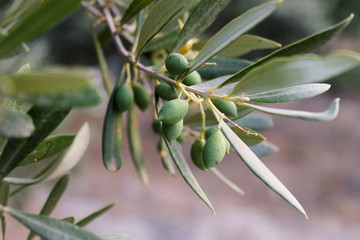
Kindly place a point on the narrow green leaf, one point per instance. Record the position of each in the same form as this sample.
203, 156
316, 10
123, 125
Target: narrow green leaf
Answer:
56, 87
258, 168
227, 181
199, 20
304, 45
166, 158
45, 121
114, 236
72, 156
52, 199
232, 31
4, 196
255, 121
50, 228
224, 66
134, 8
69, 220
288, 94
40, 19
180, 162
248, 139
85, 221
112, 133
264, 148
14, 123
163, 12
296, 70
326, 115
241, 46
163, 42
48, 148
136, 146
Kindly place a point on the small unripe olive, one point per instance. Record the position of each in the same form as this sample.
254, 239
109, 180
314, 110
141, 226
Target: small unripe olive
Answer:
226, 107
192, 79
182, 138
124, 98
173, 111
176, 63
172, 131
156, 126
196, 153
214, 150
209, 132
141, 97
213, 130
166, 91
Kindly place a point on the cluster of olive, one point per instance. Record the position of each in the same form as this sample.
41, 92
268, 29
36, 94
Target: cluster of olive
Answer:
204, 153
126, 95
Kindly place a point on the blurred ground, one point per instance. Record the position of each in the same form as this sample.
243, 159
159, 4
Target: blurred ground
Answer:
318, 162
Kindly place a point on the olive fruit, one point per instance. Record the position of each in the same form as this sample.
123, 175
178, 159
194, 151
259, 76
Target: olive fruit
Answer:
172, 131
192, 79
176, 63
166, 91
124, 98
213, 130
182, 138
173, 111
226, 107
156, 126
210, 131
196, 153
214, 150
141, 97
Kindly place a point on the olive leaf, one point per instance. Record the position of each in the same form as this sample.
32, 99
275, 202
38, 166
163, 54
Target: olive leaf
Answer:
290, 71
135, 145
184, 169
232, 31
264, 148
86, 220
327, 115
199, 20
68, 88
36, 22
4, 197
48, 148
304, 45
163, 12
288, 94
52, 199
241, 46
222, 66
258, 168
72, 156
112, 133
50, 228
14, 123
134, 8
227, 181
45, 121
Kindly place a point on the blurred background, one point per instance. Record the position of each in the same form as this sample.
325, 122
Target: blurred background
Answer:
318, 162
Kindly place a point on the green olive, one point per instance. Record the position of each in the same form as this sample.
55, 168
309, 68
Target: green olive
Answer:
141, 97
213, 130
156, 126
172, 131
192, 79
226, 107
173, 111
196, 153
176, 63
166, 91
214, 150
124, 98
